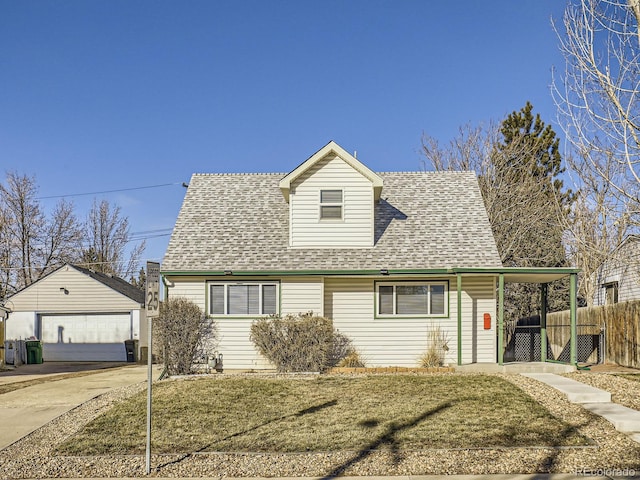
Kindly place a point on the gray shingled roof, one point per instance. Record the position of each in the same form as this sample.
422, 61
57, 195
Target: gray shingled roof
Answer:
115, 283
240, 222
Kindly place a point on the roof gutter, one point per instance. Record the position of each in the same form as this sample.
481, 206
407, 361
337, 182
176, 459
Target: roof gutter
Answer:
382, 271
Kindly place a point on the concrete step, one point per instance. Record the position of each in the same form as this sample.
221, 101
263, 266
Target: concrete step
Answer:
623, 419
516, 367
576, 392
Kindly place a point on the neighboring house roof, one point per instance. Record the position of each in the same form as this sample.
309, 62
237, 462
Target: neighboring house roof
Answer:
115, 283
240, 222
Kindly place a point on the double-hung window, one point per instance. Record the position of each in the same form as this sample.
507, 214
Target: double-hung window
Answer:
331, 205
412, 299
243, 298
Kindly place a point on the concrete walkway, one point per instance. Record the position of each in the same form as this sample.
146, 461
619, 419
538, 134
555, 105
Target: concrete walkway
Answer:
598, 401
25, 410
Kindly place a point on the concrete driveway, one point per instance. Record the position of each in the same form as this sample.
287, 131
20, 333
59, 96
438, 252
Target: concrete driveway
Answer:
25, 410
42, 370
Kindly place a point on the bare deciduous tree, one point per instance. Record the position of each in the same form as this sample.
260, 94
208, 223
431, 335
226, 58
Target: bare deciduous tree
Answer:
62, 237
599, 110
107, 237
599, 221
517, 164
526, 222
25, 222
32, 244
598, 96
6, 260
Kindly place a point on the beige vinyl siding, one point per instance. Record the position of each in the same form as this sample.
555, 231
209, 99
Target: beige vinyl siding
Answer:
478, 298
356, 227
191, 288
350, 302
390, 341
301, 295
233, 332
85, 295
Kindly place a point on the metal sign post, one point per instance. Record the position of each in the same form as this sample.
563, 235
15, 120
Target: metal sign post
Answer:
153, 310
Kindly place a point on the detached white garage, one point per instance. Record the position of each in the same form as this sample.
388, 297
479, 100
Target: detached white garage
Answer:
79, 315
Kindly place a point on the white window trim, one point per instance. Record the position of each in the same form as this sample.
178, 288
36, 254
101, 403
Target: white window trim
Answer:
443, 283
330, 204
226, 285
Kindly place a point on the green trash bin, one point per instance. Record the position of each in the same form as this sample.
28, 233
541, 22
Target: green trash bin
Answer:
34, 351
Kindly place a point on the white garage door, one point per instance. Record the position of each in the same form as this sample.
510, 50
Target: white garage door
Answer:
85, 338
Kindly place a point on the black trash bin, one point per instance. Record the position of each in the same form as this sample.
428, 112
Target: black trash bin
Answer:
131, 347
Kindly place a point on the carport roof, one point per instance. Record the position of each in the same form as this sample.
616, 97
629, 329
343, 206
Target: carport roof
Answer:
522, 274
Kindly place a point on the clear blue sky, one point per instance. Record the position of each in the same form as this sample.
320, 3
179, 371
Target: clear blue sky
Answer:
106, 95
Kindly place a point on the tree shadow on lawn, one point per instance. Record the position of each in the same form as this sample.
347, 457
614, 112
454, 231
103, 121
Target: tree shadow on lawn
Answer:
547, 463
388, 438
299, 413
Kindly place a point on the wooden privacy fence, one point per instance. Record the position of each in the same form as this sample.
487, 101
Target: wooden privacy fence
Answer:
621, 324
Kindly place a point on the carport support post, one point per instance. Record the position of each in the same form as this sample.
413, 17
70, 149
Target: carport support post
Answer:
501, 319
459, 285
573, 283
543, 322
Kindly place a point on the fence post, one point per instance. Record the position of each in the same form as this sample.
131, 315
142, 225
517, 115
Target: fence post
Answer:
543, 322
501, 319
574, 330
459, 345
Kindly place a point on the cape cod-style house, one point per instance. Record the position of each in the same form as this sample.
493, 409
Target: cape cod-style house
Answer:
386, 256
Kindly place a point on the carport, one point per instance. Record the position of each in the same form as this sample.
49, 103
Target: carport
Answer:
539, 276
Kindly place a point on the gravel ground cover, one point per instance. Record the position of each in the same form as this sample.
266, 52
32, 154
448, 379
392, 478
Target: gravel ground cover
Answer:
33, 457
623, 391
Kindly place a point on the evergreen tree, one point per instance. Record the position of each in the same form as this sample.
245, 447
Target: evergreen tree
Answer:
528, 155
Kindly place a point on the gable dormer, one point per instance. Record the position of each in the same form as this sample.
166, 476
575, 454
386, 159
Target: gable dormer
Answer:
331, 200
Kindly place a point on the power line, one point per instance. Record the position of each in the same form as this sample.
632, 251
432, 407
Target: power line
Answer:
110, 191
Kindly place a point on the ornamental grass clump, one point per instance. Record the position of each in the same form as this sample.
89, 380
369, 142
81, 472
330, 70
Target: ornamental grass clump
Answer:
299, 343
352, 360
437, 348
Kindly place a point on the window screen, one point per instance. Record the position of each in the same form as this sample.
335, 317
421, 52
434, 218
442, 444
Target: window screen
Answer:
254, 298
331, 204
243, 300
216, 300
330, 196
385, 298
412, 299
269, 299
437, 299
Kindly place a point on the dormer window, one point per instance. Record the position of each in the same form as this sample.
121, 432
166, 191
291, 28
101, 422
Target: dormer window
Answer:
331, 205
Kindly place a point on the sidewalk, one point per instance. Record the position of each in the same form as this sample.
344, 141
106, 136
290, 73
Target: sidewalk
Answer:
25, 410
598, 401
